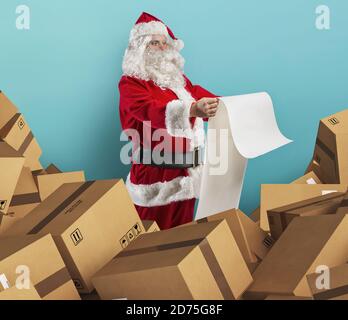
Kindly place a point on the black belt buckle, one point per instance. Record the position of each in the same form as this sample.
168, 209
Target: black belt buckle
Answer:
195, 157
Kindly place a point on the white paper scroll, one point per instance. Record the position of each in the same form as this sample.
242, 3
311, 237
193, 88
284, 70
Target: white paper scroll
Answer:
251, 130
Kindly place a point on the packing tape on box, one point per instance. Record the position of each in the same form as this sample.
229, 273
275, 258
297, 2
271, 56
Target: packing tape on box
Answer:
207, 252
53, 282
68, 201
245, 128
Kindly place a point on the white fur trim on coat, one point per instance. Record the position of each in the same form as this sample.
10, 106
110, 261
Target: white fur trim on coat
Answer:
163, 193
196, 134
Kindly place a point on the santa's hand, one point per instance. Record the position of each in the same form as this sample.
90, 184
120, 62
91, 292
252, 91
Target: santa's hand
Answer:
204, 108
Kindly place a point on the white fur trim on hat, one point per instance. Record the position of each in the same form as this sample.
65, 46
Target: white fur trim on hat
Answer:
148, 28
163, 193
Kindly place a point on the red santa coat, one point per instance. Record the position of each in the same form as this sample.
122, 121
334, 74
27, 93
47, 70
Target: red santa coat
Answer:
164, 195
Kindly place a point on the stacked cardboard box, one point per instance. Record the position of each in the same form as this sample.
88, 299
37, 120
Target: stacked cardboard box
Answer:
280, 218
11, 164
52, 178
330, 156
200, 261
260, 213
15, 131
252, 241
26, 198
36, 259
90, 222
306, 244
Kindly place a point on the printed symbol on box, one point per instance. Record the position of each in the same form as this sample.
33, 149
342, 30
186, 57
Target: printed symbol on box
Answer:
136, 229
124, 242
21, 124
4, 282
76, 237
130, 235
2, 204
333, 121
78, 284
268, 242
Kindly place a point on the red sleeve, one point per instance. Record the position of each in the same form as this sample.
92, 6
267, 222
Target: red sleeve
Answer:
137, 100
199, 92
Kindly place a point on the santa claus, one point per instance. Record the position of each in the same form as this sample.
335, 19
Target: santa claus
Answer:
156, 95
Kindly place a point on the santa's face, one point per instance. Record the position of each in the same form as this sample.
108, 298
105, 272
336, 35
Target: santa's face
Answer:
163, 63
158, 42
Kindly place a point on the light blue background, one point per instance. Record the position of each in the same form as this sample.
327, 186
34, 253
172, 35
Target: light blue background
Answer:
63, 72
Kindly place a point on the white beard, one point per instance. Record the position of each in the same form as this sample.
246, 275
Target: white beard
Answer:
165, 68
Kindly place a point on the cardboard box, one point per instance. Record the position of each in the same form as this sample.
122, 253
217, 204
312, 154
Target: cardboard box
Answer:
41, 259
11, 164
90, 222
14, 293
18, 135
337, 281
49, 182
277, 195
7, 110
32, 152
330, 156
308, 178
189, 262
308, 242
343, 206
253, 242
26, 197
150, 225
52, 169
280, 218
255, 215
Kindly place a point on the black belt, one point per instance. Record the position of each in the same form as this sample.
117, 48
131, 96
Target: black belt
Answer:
172, 160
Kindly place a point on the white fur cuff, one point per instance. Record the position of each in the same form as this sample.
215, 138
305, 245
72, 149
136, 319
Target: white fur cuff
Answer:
178, 119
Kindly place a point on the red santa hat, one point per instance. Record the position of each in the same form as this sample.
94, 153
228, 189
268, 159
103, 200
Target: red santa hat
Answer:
147, 24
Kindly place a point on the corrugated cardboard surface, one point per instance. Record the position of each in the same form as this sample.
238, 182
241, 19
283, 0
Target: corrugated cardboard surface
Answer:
15, 293
330, 153
48, 183
11, 164
280, 218
7, 109
277, 195
171, 264
337, 283
95, 218
307, 243
150, 225
40, 255
309, 178
26, 198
